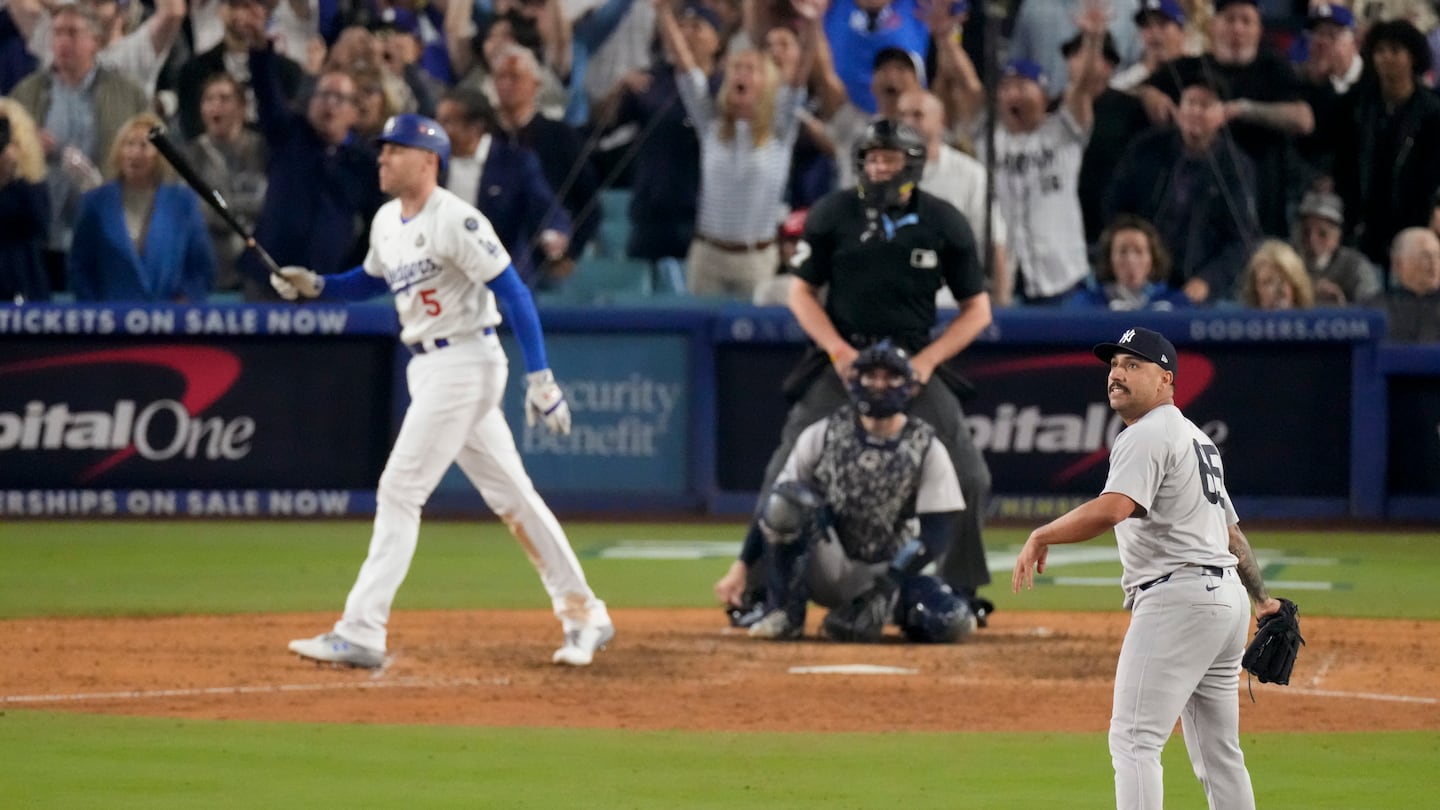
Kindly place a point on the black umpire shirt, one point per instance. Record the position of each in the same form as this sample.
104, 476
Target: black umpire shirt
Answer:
883, 275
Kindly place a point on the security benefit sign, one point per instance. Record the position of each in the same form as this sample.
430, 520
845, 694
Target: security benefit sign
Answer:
1279, 414
629, 397
129, 413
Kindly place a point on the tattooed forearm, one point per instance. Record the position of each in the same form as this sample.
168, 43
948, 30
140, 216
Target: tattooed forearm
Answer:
1247, 568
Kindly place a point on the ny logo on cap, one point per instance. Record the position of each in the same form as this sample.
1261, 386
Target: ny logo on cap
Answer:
1128, 336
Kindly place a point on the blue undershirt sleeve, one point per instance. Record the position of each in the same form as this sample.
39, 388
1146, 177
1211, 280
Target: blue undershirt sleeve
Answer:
518, 307
353, 285
935, 530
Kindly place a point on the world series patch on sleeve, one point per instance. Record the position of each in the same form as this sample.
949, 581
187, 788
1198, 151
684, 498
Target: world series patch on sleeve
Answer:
1271, 654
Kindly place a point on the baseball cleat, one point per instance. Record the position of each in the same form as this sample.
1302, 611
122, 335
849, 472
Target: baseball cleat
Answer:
744, 617
777, 626
332, 648
581, 645
982, 608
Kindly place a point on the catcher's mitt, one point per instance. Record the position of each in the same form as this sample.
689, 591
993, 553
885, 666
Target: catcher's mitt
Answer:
863, 619
1271, 654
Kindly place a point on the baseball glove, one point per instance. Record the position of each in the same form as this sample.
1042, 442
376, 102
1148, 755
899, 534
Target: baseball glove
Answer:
862, 620
1271, 654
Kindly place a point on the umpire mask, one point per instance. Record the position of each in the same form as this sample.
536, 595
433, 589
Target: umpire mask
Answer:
885, 400
890, 194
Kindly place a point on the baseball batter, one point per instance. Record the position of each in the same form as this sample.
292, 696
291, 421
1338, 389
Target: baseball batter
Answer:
441, 261
1187, 570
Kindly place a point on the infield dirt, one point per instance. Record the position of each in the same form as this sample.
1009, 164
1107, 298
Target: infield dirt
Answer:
682, 669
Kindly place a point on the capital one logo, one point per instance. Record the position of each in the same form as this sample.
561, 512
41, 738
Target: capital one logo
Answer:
1084, 429
161, 429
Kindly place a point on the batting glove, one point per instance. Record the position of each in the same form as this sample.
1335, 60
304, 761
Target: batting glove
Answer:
294, 282
545, 402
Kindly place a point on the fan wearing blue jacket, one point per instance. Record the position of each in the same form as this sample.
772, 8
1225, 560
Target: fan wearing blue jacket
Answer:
140, 237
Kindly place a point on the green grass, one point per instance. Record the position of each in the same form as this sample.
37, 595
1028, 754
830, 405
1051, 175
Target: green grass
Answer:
181, 567
59, 760
158, 764
143, 568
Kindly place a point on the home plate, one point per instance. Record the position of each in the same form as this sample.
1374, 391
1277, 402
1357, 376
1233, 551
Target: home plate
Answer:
853, 669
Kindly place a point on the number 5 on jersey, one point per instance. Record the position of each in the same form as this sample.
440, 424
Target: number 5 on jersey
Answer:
432, 306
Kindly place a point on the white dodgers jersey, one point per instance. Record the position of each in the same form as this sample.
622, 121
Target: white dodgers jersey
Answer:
436, 265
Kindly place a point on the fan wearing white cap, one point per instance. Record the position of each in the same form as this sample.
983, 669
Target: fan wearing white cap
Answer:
1341, 274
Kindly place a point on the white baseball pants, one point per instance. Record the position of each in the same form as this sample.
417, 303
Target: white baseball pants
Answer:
1181, 659
455, 416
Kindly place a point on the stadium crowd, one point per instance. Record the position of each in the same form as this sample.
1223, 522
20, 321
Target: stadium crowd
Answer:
1144, 153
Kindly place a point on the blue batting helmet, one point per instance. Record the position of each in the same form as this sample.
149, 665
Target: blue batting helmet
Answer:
409, 129
930, 613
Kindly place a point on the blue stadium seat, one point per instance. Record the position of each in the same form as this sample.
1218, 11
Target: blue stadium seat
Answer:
662, 300
614, 231
598, 279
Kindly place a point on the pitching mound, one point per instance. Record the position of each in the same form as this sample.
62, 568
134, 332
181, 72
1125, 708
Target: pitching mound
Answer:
682, 669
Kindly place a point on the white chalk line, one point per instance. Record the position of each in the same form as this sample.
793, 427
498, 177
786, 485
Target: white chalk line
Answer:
155, 694
853, 669
1358, 695
1324, 668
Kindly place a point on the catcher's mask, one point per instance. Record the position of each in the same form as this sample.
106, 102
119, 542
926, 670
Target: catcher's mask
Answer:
890, 134
892, 393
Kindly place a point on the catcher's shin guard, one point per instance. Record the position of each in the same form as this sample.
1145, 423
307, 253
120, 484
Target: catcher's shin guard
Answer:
786, 588
793, 512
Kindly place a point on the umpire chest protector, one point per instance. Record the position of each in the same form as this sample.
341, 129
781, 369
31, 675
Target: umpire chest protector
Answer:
870, 484
883, 270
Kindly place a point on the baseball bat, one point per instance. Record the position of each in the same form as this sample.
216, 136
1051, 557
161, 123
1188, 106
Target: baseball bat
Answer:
207, 193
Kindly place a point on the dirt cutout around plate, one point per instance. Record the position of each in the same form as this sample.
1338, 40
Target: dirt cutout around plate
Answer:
682, 669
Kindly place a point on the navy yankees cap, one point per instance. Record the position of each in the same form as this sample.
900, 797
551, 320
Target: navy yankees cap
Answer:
1143, 343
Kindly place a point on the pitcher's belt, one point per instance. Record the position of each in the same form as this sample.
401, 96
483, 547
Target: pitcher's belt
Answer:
1212, 570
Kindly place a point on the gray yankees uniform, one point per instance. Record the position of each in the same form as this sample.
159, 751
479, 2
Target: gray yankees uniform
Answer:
1189, 611
875, 491
1187, 590
1189, 614
865, 500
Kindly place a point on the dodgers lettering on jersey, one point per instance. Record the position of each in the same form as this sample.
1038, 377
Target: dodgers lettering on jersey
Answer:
1037, 185
436, 265
1170, 468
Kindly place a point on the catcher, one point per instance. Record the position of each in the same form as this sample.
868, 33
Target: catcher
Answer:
866, 499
